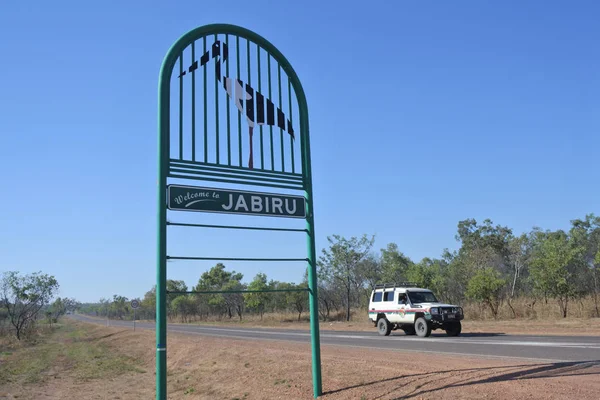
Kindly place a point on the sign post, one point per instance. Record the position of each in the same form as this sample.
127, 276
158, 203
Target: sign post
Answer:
134, 304
215, 82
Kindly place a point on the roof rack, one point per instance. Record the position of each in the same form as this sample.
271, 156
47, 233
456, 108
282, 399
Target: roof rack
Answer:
395, 285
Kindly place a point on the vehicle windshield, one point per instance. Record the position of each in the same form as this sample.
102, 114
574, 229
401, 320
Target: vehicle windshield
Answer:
422, 297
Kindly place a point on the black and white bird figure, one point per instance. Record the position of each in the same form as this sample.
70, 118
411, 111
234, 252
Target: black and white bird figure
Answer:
257, 109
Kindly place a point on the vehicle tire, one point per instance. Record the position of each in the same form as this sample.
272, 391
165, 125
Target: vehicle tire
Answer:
422, 327
454, 328
384, 327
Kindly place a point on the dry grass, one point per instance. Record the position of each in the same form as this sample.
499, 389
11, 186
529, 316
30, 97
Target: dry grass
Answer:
540, 309
72, 352
213, 368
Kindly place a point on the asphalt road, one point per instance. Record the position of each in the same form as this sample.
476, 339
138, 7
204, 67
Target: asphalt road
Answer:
488, 345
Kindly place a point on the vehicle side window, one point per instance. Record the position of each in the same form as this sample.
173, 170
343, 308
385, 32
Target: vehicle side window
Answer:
388, 296
376, 296
402, 298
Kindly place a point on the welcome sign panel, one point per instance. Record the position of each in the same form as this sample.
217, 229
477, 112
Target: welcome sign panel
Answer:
202, 199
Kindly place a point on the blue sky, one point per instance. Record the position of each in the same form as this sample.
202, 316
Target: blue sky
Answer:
421, 115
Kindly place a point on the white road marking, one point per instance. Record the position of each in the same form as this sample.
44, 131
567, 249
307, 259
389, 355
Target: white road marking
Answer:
404, 339
375, 346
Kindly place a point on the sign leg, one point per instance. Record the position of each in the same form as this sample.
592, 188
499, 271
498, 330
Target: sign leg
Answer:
161, 290
313, 304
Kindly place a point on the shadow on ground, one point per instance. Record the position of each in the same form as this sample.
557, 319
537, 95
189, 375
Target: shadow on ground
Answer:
434, 381
97, 338
464, 334
472, 334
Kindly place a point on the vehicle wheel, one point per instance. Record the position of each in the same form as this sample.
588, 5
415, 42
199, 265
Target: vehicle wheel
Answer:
422, 328
454, 329
384, 327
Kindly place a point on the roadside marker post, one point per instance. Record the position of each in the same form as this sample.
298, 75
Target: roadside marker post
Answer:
205, 101
134, 304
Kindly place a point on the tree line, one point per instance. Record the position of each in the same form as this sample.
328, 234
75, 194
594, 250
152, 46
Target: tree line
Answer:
282, 297
492, 267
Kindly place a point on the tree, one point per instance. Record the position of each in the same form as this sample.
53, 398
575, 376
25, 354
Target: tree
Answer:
486, 286
429, 273
552, 267
341, 263
394, 264
24, 297
105, 307
296, 299
330, 294
586, 234
596, 273
174, 286
519, 254
217, 278
148, 303
482, 246
258, 301
184, 306
474, 236
119, 306
71, 305
58, 309
234, 301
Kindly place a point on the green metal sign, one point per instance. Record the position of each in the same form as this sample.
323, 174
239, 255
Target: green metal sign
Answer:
193, 198
231, 110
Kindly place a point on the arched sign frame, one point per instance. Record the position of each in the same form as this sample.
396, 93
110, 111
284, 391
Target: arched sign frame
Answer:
269, 114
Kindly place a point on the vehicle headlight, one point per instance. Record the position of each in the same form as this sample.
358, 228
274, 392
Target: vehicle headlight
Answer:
434, 310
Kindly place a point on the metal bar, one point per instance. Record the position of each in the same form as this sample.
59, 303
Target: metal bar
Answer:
164, 123
291, 122
270, 126
235, 181
181, 107
237, 259
228, 121
238, 170
310, 244
205, 110
217, 110
391, 285
237, 56
262, 154
250, 138
239, 291
212, 168
194, 103
248, 63
225, 175
251, 228
280, 107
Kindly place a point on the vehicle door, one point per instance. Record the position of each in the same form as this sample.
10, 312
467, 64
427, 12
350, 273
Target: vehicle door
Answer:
404, 306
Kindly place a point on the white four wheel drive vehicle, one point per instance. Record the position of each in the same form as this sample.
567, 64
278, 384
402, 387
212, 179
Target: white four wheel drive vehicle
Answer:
412, 309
